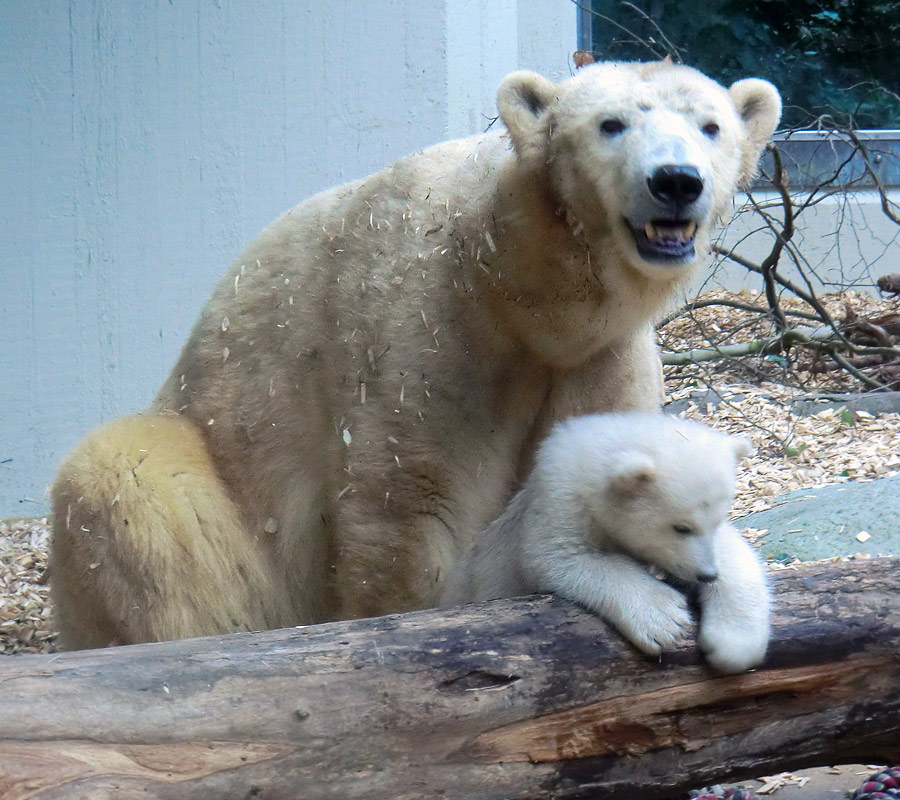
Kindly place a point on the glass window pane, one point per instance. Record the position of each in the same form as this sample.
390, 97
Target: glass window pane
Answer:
834, 57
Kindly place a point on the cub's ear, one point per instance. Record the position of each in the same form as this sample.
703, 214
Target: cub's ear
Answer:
742, 447
632, 473
759, 106
522, 100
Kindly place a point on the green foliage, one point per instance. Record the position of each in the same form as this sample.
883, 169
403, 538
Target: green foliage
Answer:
828, 57
792, 452
847, 417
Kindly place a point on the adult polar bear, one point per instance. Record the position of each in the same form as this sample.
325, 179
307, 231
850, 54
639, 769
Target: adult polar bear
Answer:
366, 387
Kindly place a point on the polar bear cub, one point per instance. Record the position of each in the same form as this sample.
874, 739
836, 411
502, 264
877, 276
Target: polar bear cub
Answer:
610, 495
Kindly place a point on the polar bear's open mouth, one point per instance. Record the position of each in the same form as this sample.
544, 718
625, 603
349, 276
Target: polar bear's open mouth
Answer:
665, 240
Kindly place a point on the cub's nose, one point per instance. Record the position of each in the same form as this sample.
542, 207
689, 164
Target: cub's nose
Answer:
676, 184
707, 577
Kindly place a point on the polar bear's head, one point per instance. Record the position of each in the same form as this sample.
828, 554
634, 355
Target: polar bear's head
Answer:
642, 157
654, 487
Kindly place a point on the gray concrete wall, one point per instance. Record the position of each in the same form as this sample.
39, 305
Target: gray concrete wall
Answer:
145, 142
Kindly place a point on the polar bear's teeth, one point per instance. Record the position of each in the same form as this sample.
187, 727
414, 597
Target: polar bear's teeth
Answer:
678, 232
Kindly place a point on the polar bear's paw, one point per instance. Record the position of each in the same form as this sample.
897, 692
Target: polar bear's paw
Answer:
733, 646
657, 619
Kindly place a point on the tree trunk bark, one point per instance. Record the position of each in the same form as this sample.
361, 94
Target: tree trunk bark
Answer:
526, 698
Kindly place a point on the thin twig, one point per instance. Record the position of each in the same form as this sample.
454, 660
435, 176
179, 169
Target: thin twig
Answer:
887, 205
693, 306
634, 37
769, 265
674, 51
809, 298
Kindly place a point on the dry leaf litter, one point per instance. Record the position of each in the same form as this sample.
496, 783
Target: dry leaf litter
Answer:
792, 452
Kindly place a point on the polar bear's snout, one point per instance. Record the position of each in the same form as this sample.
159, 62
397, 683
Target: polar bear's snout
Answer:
671, 198
675, 190
707, 577
676, 186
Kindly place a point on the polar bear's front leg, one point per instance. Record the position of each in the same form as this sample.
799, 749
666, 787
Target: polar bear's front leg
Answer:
649, 613
390, 566
734, 621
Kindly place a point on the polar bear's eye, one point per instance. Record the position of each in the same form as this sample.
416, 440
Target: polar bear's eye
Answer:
684, 530
711, 130
612, 127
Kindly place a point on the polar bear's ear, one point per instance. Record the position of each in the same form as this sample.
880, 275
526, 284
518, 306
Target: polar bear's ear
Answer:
633, 472
759, 106
742, 447
522, 99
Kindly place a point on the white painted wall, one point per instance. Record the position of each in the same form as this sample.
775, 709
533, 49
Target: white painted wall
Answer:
144, 143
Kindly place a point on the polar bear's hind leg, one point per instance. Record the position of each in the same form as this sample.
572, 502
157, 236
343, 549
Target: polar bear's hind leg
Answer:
147, 544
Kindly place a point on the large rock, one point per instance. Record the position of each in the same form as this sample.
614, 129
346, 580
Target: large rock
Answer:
812, 524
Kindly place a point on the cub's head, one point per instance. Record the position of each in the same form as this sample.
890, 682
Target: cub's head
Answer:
644, 158
665, 498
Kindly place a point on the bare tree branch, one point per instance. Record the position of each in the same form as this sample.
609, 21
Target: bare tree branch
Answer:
693, 306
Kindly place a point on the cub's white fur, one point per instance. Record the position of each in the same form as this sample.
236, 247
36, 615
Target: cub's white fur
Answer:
609, 495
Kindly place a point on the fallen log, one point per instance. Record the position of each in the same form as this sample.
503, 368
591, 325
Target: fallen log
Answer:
526, 698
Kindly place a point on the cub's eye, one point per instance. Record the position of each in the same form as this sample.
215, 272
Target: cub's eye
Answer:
612, 127
684, 530
711, 130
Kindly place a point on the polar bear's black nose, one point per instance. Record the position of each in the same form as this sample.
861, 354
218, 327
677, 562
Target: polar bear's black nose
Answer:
676, 184
707, 577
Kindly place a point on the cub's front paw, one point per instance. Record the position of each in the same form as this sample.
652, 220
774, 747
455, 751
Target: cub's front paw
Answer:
655, 619
730, 646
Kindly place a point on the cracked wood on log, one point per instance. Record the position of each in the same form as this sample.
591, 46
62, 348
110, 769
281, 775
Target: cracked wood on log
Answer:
526, 698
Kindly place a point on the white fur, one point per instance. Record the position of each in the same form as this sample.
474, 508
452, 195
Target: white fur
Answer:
602, 503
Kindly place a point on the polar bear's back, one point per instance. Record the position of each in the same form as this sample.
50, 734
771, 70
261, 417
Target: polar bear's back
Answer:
342, 254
